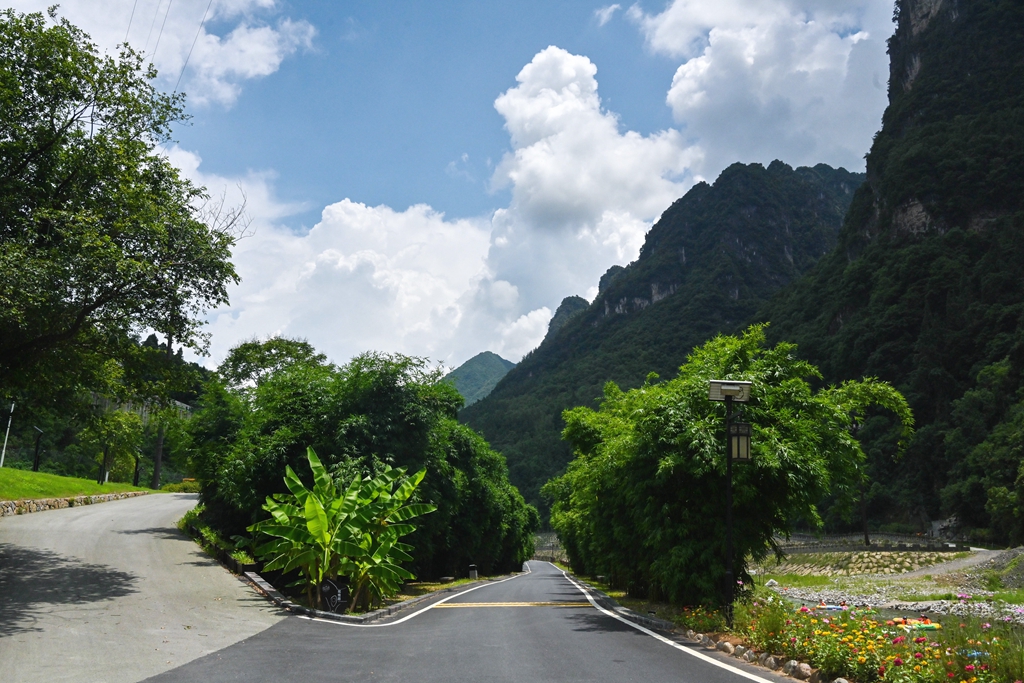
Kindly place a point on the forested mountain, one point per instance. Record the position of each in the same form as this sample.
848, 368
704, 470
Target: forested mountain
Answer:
475, 378
707, 266
926, 287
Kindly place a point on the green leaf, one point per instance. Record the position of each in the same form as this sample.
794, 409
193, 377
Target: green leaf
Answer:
322, 484
316, 521
410, 511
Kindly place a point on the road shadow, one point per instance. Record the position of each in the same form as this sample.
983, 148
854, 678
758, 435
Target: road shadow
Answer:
591, 620
32, 579
161, 531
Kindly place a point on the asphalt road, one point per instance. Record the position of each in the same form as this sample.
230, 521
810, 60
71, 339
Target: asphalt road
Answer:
508, 631
114, 593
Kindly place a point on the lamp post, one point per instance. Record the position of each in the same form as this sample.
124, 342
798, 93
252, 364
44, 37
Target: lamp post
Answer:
35, 459
737, 446
7, 434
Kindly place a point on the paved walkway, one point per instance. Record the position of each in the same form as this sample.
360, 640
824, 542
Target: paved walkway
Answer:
114, 593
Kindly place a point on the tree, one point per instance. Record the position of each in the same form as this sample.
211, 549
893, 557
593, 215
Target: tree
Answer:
643, 500
114, 438
377, 411
100, 238
250, 362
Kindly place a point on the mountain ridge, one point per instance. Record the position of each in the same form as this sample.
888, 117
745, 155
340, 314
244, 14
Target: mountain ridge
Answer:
708, 264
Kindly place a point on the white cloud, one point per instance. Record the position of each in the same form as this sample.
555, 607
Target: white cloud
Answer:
253, 42
803, 81
583, 194
605, 14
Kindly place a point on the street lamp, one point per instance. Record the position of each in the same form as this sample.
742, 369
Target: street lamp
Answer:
35, 460
737, 446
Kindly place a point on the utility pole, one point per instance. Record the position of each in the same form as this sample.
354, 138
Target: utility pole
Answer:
4, 451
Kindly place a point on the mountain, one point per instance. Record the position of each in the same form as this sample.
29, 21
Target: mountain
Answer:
926, 286
708, 265
475, 378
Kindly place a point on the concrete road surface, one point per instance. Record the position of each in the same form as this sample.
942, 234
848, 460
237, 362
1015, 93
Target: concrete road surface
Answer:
114, 593
535, 627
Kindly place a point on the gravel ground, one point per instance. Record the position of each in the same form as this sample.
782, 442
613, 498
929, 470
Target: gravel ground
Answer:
963, 575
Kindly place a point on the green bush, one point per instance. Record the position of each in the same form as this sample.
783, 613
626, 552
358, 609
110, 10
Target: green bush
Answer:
182, 487
642, 503
375, 412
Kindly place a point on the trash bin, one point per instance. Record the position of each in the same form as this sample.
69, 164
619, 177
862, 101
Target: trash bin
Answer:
472, 572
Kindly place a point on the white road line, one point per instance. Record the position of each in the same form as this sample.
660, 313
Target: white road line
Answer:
638, 627
418, 612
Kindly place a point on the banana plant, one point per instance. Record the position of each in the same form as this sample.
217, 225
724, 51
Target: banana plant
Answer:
382, 517
327, 530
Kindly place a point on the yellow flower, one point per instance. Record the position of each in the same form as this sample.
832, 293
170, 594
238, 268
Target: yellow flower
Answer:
861, 660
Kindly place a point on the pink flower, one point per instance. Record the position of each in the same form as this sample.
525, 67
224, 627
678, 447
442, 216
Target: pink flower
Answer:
969, 667
919, 640
897, 662
918, 655
804, 609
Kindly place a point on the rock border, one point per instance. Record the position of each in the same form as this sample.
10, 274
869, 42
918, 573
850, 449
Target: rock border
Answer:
9, 508
802, 671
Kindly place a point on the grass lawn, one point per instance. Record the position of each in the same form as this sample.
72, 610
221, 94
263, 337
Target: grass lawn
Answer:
19, 484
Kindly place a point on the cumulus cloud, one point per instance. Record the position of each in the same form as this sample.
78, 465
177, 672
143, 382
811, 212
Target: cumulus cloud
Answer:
583, 194
364, 277
252, 41
803, 81
605, 14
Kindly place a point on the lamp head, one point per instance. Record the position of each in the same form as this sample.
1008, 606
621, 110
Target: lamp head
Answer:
720, 389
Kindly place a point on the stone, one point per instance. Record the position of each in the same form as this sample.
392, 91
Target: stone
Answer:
750, 656
763, 658
789, 666
802, 671
726, 647
738, 651
690, 634
771, 662
771, 582
840, 680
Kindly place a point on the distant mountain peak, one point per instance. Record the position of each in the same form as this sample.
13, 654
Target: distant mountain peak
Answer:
475, 378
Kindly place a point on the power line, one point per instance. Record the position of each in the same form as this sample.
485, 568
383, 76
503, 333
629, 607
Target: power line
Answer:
152, 24
130, 21
162, 24
194, 40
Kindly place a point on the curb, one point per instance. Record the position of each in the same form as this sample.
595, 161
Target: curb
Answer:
272, 594
9, 508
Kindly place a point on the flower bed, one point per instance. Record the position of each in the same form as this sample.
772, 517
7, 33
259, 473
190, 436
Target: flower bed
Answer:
856, 644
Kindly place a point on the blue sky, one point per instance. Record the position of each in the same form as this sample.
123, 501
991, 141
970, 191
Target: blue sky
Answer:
387, 102
433, 178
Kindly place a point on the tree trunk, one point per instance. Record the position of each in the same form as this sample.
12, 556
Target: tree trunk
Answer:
103, 467
158, 455
864, 513
135, 479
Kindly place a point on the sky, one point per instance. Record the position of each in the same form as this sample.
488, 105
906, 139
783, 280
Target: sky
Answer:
433, 178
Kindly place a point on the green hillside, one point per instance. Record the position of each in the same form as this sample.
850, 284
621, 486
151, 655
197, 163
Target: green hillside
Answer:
19, 484
926, 289
707, 266
475, 378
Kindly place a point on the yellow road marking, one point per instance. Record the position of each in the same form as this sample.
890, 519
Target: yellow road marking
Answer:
563, 603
